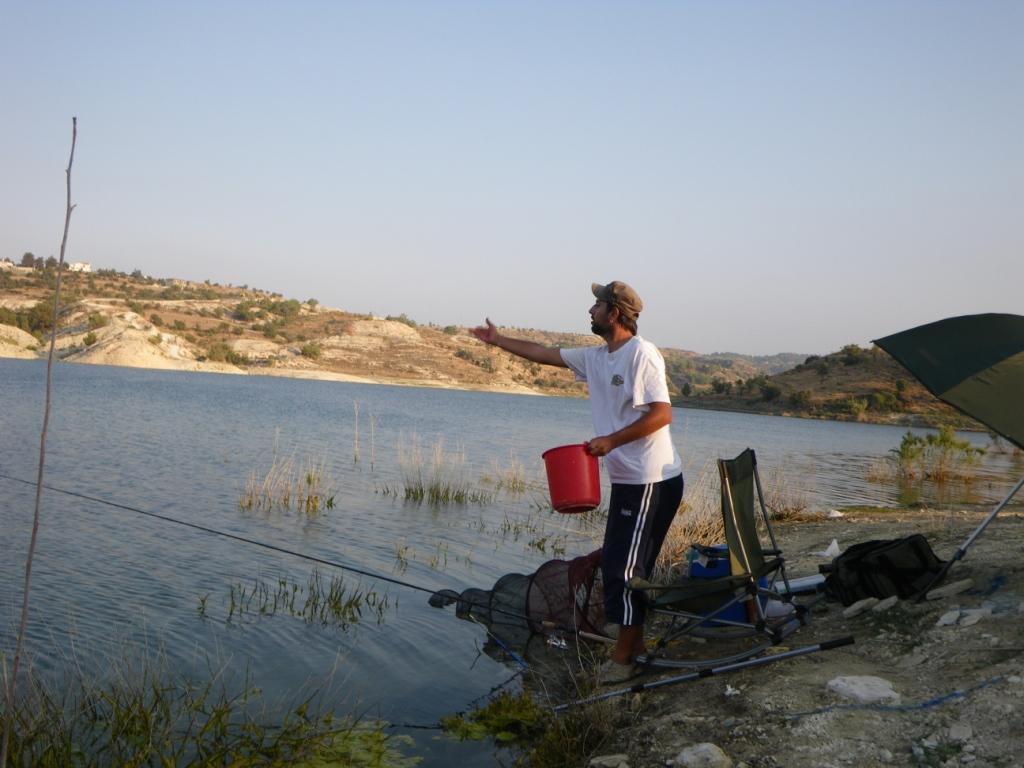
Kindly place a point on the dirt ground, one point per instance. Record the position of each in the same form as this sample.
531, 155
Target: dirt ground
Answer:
783, 714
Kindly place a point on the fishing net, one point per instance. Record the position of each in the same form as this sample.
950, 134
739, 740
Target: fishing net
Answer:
562, 597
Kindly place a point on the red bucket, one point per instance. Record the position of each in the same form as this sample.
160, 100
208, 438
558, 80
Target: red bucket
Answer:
573, 478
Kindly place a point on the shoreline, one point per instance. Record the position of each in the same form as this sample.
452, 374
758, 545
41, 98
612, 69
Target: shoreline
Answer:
316, 374
305, 374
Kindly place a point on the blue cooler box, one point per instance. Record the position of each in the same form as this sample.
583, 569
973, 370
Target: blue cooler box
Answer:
715, 568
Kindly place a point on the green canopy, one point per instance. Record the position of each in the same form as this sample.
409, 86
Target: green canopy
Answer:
974, 363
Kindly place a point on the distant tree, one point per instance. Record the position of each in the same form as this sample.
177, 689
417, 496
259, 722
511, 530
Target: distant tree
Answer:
770, 392
852, 354
883, 402
687, 389
856, 406
137, 274
312, 303
800, 399
823, 369
901, 389
90, 339
28, 259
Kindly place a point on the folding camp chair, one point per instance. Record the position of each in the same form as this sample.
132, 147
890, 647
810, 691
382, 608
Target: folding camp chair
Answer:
757, 584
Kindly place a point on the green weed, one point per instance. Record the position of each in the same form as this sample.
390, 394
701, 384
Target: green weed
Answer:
155, 719
319, 601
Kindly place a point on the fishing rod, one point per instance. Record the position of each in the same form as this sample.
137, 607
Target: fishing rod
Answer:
711, 672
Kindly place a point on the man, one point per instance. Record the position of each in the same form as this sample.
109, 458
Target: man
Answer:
630, 408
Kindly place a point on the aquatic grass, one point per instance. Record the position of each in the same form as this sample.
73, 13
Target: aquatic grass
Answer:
288, 486
402, 554
355, 434
319, 601
544, 544
438, 481
785, 500
154, 718
439, 559
510, 478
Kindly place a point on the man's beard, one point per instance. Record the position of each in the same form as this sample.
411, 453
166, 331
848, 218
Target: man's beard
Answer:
601, 329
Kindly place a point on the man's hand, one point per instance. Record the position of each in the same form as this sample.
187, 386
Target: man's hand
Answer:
657, 416
486, 333
538, 353
600, 446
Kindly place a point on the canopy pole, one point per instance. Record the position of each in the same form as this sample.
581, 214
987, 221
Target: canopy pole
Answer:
970, 540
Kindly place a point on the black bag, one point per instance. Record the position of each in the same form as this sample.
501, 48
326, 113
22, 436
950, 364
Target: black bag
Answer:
880, 569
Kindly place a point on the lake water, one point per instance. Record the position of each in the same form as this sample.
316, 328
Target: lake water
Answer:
109, 582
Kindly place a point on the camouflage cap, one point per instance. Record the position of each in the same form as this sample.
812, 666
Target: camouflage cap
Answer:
620, 295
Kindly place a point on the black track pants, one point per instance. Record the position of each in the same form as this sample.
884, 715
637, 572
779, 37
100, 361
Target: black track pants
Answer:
639, 517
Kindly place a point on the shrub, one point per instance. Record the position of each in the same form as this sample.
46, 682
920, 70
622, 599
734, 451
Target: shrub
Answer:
96, 320
451, 330
219, 352
937, 457
311, 350
155, 339
89, 339
801, 399
244, 311
755, 383
770, 392
852, 354
286, 309
481, 362
855, 406
402, 318
269, 329
883, 402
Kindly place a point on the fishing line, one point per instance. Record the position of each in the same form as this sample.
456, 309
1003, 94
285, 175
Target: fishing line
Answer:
271, 547
214, 531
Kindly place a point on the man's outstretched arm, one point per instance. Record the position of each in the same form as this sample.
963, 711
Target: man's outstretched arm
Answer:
530, 350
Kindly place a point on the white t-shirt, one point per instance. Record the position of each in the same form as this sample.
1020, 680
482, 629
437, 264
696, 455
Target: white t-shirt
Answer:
622, 385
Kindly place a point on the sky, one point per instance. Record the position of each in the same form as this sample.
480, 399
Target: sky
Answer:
769, 176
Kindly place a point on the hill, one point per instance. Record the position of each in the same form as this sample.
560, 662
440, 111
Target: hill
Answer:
117, 319
854, 384
111, 318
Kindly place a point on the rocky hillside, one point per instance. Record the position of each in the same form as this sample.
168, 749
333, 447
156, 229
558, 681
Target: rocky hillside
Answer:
111, 318
854, 383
